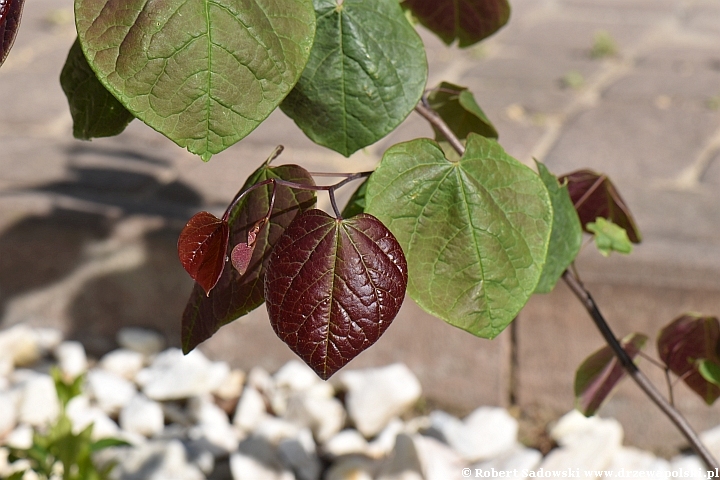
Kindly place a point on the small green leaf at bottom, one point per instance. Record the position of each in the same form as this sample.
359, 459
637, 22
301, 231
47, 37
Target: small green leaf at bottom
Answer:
709, 370
600, 373
94, 110
609, 237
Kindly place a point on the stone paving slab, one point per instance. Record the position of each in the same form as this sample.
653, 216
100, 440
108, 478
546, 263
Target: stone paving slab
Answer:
88, 229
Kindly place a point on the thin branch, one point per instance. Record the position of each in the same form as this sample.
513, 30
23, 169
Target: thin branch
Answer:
643, 382
431, 116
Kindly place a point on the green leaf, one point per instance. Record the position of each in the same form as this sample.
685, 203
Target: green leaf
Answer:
566, 237
356, 204
457, 107
95, 112
475, 232
468, 21
367, 71
709, 370
202, 73
609, 237
601, 372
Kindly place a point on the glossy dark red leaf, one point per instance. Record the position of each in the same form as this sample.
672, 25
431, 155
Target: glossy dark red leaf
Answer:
594, 195
686, 340
600, 373
333, 287
236, 295
468, 21
201, 248
10, 14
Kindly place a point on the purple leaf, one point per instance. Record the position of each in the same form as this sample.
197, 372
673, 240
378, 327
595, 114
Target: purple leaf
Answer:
333, 287
685, 341
242, 252
10, 13
467, 20
236, 295
201, 248
594, 195
600, 373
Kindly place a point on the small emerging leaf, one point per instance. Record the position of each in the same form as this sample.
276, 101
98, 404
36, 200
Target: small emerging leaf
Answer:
468, 21
609, 237
10, 14
600, 373
594, 195
475, 232
709, 370
236, 295
201, 248
683, 343
367, 71
242, 252
356, 203
95, 111
566, 236
457, 107
333, 287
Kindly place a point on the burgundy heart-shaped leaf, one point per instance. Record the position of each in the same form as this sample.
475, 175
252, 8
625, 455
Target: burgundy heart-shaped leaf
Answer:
333, 287
467, 20
600, 373
202, 249
236, 295
10, 14
686, 340
594, 195
242, 252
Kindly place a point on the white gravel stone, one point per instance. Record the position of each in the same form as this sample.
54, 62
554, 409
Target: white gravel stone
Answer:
300, 456
629, 459
257, 459
173, 376
586, 443
142, 416
517, 460
232, 386
689, 465
260, 380
21, 437
111, 391
72, 359
403, 462
159, 460
123, 363
275, 430
212, 426
384, 443
374, 396
295, 376
324, 415
346, 442
8, 411
353, 468
82, 414
486, 433
250, 410
39, 403
20, 344
141, 340
439, 462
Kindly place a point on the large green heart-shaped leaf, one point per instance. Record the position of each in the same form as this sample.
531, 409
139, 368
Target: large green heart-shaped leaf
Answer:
367, 71
475, 232
204, 73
